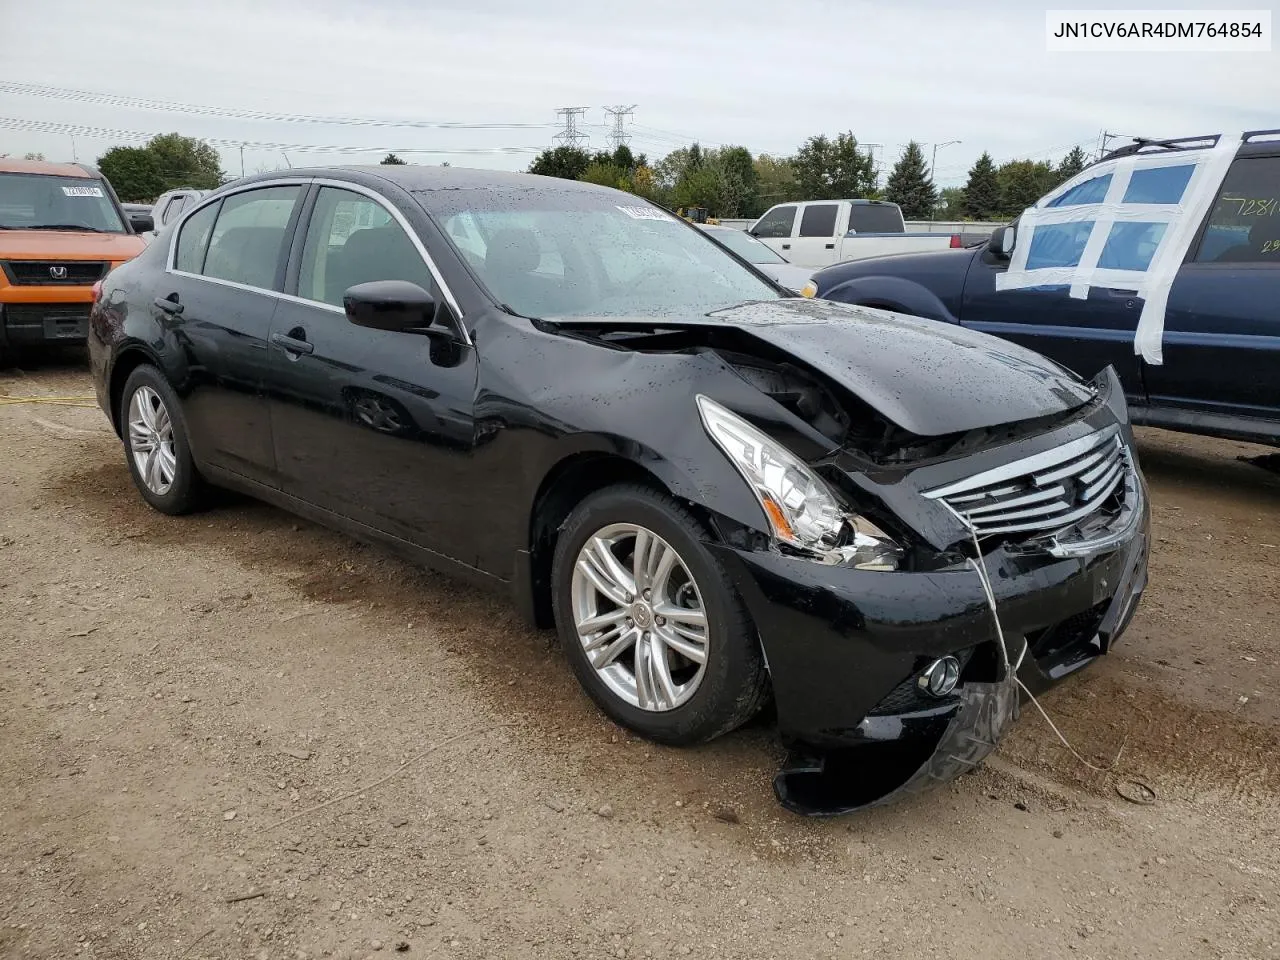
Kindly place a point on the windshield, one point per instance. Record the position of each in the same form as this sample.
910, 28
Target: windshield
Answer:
564, 253
35, 201
746, 246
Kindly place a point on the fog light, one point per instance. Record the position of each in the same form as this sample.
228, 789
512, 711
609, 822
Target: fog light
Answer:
940, 677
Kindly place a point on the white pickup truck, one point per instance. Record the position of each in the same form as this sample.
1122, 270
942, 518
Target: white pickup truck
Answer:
818, 233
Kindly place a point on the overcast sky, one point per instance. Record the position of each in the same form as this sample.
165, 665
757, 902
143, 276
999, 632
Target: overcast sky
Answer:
762, 74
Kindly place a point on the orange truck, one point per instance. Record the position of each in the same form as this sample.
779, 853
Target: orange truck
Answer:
61, 230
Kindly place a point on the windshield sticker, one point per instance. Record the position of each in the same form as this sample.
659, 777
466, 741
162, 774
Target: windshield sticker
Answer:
82, 191
646, 213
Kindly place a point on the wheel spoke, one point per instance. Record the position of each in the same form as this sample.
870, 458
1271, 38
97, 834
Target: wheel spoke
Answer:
607, 655
681, 615
168, 463
148, 414
666, 562
644, 677
152, 474
597, 623
588, 568
609, 565
663, 685
695, 650
163, 427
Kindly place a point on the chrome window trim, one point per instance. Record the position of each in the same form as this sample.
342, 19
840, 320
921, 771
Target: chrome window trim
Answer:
353, 187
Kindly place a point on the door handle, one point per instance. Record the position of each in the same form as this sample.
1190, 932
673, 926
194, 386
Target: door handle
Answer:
831, 246
169, 304
786, 246
292, 344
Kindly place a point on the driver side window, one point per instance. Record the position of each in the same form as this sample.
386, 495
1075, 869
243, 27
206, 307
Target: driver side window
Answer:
353, 239
776, 223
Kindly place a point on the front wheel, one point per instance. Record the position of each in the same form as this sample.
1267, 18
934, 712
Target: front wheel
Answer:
155, 442
653, 627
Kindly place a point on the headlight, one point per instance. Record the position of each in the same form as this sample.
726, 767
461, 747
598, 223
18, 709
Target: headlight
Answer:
802, 510
810, 289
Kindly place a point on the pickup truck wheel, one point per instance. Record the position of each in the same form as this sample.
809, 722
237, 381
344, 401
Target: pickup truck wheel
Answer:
155, 442
650, 621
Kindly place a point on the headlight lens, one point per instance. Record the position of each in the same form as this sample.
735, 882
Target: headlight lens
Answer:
810, 289
801, 509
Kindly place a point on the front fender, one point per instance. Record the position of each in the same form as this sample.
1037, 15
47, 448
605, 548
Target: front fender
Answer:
892, 293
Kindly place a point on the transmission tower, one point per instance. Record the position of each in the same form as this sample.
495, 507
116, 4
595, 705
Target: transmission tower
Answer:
618, 136
571, 136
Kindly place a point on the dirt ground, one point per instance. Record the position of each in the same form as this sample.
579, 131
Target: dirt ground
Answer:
179, 698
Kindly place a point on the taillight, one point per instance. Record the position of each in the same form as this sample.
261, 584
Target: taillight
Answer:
955, 241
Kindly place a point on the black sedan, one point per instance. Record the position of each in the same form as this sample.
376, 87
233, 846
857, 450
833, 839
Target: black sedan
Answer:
718, 493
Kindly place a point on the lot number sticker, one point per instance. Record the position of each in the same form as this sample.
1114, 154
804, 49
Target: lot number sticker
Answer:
82, 191
645, 213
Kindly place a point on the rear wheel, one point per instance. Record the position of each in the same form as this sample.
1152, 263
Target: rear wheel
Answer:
650, 621
155, 442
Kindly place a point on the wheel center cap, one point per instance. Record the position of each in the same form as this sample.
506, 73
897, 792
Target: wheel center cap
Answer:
641, 614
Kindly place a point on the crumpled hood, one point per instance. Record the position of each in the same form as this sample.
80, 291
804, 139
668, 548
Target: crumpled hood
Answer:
929, 378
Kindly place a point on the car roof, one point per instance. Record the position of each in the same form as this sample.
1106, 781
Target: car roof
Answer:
11, 165
421, 178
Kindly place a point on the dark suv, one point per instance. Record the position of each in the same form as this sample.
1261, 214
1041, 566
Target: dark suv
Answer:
1221, 329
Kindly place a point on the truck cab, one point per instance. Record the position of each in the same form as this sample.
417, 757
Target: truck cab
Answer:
818, 233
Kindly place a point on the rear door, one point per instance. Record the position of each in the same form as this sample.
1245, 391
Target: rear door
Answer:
1222, 325
815, 243
373, 425
225, 272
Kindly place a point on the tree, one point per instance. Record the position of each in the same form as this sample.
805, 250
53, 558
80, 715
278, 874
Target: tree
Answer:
775, 183
623, 158
166, 162
833, 169
951, 203
391, 160
1070, 165
701, 186
911, 185
568, 163
740, 185
33, 156
1022, 183
982, 190
134, 172
606, 175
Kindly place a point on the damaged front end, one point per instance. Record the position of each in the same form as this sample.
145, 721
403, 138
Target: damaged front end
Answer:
926, 546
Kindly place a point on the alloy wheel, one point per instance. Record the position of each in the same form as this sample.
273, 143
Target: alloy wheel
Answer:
640, 617
151, 440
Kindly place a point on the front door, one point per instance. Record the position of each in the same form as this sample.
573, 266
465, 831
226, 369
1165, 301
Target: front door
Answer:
815, 242
218, 297
374, 425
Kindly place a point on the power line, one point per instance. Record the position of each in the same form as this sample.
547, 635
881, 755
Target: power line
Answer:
571, 136
618, 136
171, 106
110, 133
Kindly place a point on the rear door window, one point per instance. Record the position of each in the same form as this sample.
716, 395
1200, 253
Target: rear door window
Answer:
875, 218
819, 220
1244, 225
776, 223
193, 240
248, 238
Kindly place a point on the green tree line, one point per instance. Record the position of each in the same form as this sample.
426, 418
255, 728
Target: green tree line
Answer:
730, 182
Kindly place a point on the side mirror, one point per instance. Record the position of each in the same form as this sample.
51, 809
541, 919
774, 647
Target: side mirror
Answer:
142, 222
1002, 242
395, 305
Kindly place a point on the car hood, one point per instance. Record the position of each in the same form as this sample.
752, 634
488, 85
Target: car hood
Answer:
928, 378
68, 245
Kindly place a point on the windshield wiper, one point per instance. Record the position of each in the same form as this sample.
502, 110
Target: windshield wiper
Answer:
61, 226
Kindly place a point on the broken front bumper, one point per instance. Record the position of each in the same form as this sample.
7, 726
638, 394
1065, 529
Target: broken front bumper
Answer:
846, 647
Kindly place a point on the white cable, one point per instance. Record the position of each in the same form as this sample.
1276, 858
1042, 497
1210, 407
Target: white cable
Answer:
980, 568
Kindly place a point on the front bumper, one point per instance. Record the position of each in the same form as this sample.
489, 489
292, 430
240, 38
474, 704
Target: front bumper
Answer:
30, 324
844, 648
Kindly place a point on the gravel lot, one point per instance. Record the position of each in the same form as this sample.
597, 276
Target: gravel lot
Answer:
179, 698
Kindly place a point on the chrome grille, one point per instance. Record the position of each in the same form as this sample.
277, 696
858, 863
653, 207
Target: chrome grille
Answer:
1044, 492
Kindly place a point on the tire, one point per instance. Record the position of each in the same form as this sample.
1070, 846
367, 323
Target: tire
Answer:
700, 701
176, 487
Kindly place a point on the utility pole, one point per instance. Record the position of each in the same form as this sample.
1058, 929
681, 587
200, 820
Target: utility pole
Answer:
933, 165
1104, 139
242, 161
875, 167
618, 136
571, 136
